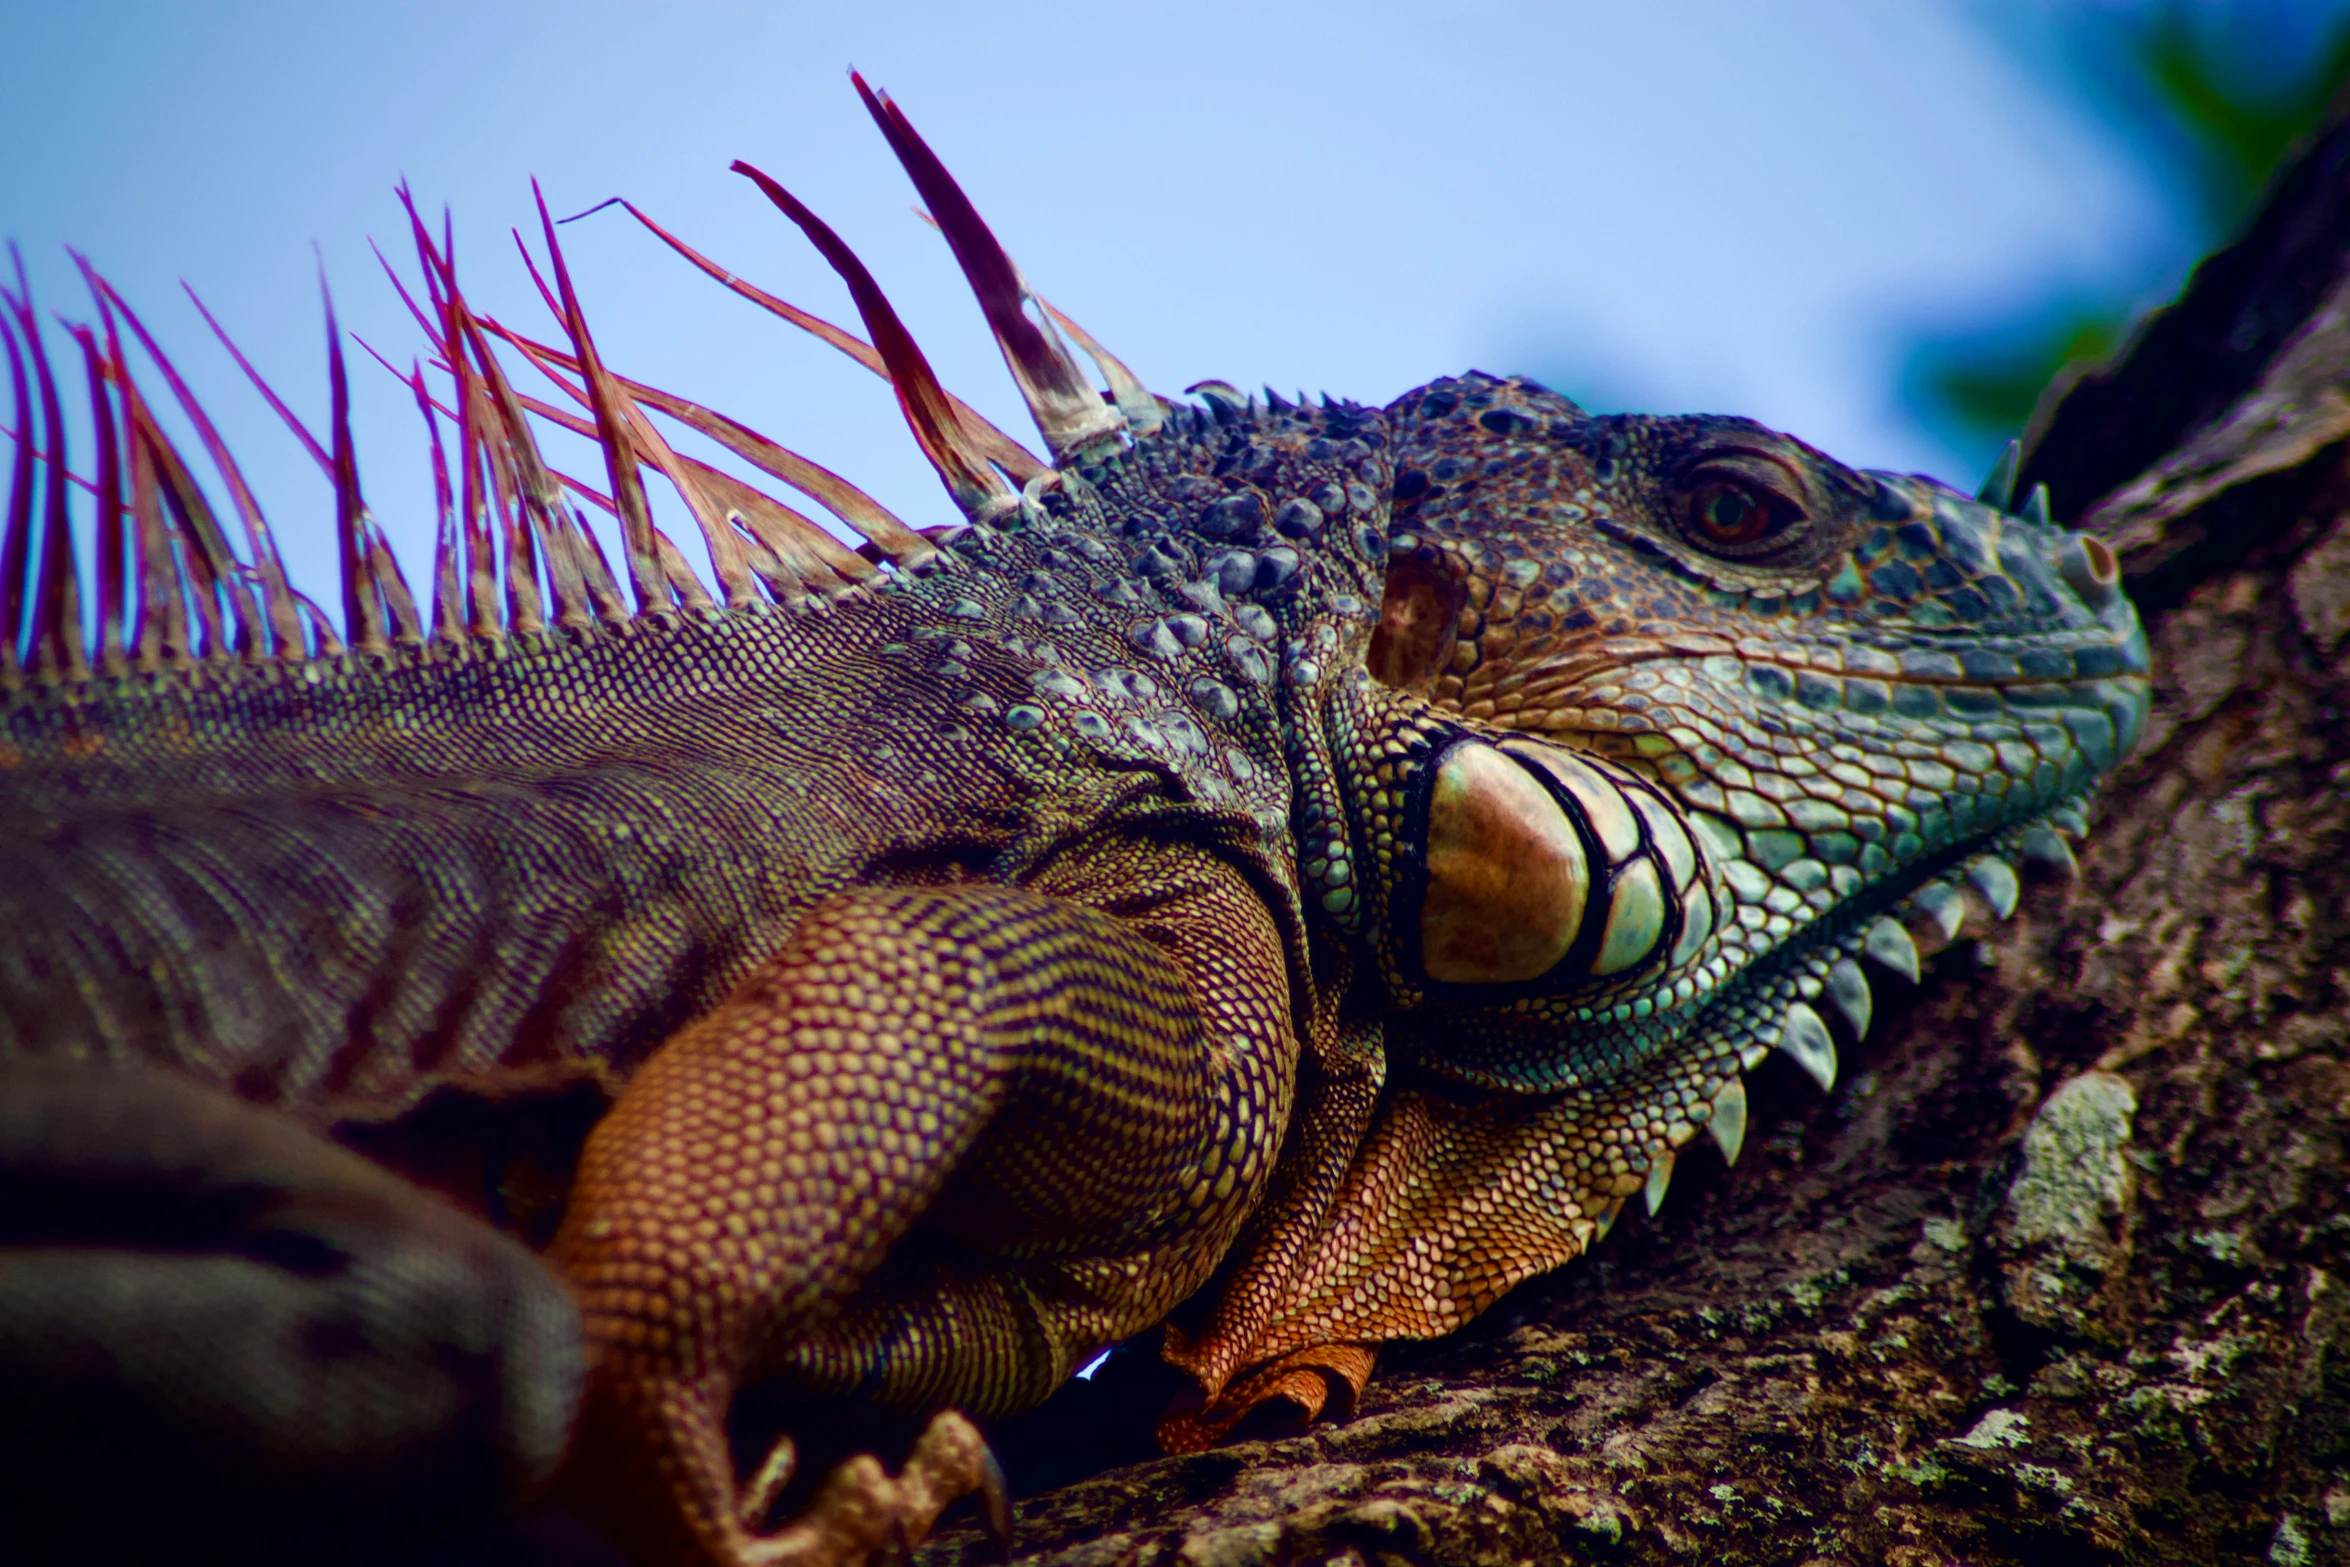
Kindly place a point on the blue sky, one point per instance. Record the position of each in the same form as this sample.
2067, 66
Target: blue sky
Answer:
1680, 204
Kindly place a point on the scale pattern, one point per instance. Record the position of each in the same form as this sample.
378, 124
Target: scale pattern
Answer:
1326, 856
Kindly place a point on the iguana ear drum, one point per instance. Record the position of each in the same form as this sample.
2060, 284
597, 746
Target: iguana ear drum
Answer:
1507, 874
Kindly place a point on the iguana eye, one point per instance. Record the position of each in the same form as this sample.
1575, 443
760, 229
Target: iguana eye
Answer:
1727, 514
1733, 518
1743, 505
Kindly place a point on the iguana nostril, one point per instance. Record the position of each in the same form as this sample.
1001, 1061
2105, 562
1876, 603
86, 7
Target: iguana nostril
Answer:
2089, 568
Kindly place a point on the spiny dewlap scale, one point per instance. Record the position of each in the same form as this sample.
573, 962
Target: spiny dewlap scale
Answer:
1338, 853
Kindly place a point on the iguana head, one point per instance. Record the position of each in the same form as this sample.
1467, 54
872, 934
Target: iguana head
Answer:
1771, 698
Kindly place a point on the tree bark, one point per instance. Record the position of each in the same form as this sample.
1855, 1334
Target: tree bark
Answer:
2061, 1271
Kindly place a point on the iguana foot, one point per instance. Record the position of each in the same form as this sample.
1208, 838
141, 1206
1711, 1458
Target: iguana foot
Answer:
1310, 1382
861, 1512
675, 1499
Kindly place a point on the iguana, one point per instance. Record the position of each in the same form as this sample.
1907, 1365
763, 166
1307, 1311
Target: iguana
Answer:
1328, 856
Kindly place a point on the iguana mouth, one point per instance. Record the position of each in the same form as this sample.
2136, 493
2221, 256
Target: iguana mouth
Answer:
1897, 921
1899, 924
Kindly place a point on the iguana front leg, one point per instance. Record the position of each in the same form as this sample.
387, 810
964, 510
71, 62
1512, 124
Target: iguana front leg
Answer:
942, 1146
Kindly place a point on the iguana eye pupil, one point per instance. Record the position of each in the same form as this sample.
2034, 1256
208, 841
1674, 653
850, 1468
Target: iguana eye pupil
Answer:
1731, 517
1727, 514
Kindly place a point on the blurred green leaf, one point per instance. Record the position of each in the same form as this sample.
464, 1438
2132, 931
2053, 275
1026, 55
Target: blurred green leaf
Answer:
1992, 390
2221, 93
2241, 121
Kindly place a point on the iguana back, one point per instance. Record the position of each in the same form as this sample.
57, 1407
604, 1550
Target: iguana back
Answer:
527, 847
340, 885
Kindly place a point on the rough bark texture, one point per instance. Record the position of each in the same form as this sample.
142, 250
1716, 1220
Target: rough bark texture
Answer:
2061, 1271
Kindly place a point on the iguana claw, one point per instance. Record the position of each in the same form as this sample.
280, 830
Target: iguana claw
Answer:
995, 1502
861, 1512
758, 1498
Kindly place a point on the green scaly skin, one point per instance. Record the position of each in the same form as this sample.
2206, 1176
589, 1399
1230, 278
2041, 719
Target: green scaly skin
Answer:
1895, 680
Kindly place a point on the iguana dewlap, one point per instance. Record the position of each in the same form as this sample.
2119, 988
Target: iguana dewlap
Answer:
1339, 852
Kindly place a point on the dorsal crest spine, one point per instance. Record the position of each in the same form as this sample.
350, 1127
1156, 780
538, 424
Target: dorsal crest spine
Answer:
513, 556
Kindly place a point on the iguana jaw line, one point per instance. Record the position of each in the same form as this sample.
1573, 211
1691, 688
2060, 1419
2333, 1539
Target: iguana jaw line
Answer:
1786, 900
1961, 893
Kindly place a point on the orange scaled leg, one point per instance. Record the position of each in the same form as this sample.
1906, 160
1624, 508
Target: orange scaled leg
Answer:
1101, 1094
